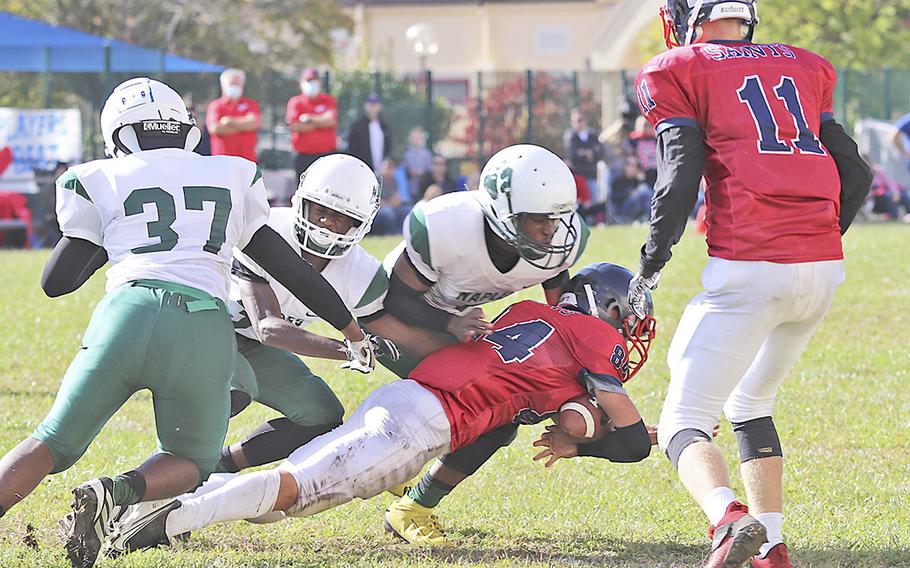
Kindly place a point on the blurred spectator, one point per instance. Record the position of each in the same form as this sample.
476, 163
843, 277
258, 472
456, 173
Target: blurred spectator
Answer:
312, 117
437, 181
369, 138
584, 151
887, 194
204, 148
644, 144
233, 120
631, 193
417, 159
900, 136
394, 205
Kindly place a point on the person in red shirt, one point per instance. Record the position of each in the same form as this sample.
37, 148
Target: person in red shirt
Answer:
233, 120
535, 358
312, 117
784, 182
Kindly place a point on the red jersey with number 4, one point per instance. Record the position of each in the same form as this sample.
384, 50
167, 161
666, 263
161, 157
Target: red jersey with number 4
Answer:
773, 191
536, 358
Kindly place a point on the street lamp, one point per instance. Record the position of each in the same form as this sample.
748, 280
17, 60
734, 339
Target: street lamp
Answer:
423, 41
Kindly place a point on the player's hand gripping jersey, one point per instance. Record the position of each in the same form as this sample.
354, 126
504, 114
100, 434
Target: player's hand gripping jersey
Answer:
536, 358
444, 240
165, 214
772, 188
358, 277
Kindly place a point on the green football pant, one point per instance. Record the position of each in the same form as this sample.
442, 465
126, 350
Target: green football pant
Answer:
280, 380
174, 340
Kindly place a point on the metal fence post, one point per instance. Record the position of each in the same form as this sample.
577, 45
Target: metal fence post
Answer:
428, 118
887, 94
529, 77
46, 76
576, 95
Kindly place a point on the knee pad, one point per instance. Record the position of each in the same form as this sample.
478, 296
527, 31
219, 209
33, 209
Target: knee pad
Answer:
757, 439
681, 440
272, 517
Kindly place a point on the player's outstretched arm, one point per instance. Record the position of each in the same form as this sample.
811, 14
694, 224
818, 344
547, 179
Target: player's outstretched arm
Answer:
264, 310
680, 165
71, 264
276, 257
855, 174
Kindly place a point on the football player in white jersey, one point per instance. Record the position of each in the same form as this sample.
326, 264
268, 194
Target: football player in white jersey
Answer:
332, 210
167, 220
462, 250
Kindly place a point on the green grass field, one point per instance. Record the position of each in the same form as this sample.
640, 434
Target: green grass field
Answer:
843, 415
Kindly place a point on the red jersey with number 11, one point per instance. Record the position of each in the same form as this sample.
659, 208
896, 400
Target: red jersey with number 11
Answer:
536, 358
773, 191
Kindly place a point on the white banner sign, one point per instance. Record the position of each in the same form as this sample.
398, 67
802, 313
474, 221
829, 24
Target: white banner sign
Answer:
39, 138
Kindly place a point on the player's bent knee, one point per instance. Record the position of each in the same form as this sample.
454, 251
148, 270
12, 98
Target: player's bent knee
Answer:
682, 440
757, 439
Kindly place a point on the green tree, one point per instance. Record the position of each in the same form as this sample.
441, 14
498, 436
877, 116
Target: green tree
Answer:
283, 35
860, 34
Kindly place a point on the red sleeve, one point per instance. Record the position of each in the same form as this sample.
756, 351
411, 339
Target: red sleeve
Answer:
829, 81
603, 352
331, 103
212, 116
661, 96
292, 112
254, 108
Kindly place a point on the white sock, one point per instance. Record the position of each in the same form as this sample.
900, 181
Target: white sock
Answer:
215, 481
244, 497
774, 524
715, 504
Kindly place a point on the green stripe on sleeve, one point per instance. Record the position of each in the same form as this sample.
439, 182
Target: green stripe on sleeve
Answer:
69, 181
420, 238
583, 238
257, 176
378, 286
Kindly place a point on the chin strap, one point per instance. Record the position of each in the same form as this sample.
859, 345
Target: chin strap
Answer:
693, 16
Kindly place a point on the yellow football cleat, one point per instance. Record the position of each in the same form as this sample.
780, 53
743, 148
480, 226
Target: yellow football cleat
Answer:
402, 489
414, 523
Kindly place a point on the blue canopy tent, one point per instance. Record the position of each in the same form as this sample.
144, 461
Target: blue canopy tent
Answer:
33, 46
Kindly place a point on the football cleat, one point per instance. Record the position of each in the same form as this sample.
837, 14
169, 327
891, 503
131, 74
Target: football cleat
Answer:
736, 539
777, 557
402, 489
93, 508
142, 526
414, 523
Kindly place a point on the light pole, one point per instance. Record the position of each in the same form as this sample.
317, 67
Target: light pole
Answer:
423, 41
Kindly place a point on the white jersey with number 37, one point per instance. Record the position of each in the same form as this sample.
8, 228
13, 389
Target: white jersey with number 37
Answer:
165, 214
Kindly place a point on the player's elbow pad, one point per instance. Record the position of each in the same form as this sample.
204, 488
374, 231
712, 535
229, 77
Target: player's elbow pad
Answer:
628, 444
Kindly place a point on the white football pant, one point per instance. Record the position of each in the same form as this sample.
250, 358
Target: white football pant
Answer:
386, 441
738, 339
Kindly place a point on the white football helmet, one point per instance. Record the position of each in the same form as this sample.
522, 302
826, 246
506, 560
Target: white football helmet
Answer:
524, 179
342, 183
145, 114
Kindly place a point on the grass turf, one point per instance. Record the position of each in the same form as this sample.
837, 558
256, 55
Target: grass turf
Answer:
843, 415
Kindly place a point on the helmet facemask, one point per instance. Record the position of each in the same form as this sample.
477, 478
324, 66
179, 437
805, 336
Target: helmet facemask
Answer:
681, 22
320, 241
601, 290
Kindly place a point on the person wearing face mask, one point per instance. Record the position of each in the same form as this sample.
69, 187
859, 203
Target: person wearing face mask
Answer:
233, 120
312, 117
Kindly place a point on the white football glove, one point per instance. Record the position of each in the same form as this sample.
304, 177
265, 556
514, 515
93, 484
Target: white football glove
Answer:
638, 287
362, 354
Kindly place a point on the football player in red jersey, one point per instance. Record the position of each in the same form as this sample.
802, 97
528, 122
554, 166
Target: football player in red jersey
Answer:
784, 182
535, 358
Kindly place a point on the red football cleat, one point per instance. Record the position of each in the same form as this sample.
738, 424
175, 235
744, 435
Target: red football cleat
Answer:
736, 539
777, 557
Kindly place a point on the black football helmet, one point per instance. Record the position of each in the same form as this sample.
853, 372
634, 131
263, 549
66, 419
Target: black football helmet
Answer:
602, 290
682, 17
